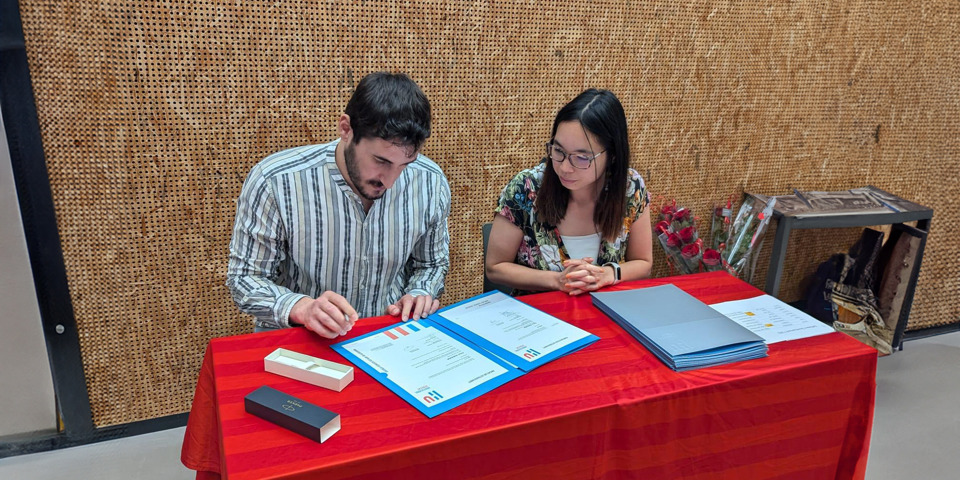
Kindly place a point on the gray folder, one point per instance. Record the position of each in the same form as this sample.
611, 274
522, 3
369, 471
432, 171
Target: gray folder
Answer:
678, 328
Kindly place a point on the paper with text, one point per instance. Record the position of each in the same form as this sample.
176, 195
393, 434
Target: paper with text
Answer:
425, 362
772, 319
513, 330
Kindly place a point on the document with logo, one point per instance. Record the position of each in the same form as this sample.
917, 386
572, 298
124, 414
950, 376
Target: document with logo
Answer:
772, 319
462, 351
427, 366
513, 330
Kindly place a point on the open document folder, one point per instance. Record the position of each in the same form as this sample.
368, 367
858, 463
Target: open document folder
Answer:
462, 351
680, 330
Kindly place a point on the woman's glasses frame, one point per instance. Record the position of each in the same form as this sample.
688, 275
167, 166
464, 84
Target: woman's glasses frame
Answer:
578, 160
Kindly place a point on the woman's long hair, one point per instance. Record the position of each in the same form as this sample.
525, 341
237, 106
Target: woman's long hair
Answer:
600, 113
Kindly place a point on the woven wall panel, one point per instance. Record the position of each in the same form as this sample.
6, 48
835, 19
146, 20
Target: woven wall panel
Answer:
153, 112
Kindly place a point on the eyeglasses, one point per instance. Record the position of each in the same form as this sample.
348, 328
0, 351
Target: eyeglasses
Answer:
578, 160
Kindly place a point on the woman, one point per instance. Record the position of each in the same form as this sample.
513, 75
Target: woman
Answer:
579, 220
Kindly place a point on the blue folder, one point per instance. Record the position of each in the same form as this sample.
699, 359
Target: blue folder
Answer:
514, 364
436, 409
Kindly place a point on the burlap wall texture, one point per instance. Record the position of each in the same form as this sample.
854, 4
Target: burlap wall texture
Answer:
153, 112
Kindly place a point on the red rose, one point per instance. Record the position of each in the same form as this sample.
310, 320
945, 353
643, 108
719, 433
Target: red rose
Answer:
711, 260
711, 257
681, 215
690, 251
667, 211
688, 234
673, 240
690, 258
662, 227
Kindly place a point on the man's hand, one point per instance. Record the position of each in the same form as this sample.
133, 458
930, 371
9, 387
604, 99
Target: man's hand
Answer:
413, 307
328, 315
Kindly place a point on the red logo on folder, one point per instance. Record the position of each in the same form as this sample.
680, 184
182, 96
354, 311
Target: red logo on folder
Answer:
432, 396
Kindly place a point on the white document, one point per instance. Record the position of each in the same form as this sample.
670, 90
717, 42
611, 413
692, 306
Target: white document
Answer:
425, 362
772, 319
514, 326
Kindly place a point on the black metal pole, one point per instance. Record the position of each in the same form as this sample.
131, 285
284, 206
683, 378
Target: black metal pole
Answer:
40, 224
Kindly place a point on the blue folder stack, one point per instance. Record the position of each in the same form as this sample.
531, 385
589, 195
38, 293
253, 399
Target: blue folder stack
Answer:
680, 330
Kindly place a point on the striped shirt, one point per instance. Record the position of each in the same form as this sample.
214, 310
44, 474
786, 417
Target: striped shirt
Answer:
301, 230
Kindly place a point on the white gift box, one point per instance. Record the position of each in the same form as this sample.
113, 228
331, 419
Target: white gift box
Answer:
315, 371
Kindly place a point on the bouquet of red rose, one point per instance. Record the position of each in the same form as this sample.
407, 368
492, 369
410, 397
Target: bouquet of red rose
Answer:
735, 240
677, 232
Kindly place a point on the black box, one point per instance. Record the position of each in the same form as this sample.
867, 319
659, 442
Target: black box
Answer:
305, 418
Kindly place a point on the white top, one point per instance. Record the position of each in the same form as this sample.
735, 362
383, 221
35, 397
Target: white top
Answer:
582, 246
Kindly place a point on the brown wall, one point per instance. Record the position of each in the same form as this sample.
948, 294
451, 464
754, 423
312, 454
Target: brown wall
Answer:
152, 113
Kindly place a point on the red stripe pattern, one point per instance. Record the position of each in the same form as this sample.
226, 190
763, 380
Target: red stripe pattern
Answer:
609, 411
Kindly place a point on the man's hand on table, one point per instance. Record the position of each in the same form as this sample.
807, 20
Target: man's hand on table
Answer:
329, 315
413, 307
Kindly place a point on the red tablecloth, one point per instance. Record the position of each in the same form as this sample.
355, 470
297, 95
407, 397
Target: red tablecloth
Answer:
611, 410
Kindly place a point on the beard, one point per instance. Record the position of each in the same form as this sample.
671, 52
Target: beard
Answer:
353, 171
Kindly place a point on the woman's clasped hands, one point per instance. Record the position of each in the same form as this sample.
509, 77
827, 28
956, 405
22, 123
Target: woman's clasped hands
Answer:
581, 276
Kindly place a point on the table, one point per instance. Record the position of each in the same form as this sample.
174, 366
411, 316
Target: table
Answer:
910, 212
611, 410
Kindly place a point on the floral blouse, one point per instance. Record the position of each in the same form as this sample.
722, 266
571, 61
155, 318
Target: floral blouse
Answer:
542, 248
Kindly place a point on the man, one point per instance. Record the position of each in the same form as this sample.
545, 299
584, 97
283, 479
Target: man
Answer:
357, 227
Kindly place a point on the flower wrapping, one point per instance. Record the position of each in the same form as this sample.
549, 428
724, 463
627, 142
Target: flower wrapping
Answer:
671, 247
690, 256
677, 232
720, 223
682, 218
734, 240
748, 228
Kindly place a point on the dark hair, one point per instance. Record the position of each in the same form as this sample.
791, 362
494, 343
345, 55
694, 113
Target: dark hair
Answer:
389, 106
600, 113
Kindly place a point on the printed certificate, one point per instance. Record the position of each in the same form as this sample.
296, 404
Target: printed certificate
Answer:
513, 330
427, 366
